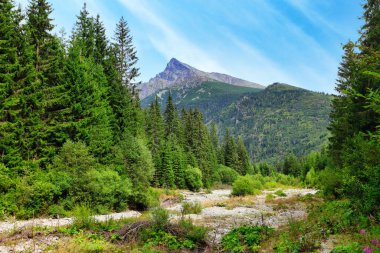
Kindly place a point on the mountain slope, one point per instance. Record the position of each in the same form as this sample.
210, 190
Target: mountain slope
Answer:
177, 73
280, 120
273, 122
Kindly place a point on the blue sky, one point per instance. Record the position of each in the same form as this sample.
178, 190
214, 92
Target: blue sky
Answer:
293, 41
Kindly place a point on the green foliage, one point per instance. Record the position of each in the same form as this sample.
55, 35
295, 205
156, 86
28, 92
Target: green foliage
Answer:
157, 238
351, 248
160, 218
280, 193
82, 216
191, 208
265, 119
245, 238
227, 175
196, 234
246, 185
193, 178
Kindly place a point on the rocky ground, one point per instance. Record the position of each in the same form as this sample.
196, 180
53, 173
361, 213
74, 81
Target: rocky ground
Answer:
220, 212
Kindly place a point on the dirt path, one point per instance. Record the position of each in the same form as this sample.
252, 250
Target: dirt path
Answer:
7, 226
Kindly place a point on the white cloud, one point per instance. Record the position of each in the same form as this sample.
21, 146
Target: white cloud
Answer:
169, 42
306, 9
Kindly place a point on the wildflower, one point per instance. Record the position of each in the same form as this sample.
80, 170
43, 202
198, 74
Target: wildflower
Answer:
367, 250
375, 242
362, 232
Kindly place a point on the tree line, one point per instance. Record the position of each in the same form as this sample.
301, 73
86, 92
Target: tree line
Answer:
71, 127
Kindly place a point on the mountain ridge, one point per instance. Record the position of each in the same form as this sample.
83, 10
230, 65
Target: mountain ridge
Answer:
178, 73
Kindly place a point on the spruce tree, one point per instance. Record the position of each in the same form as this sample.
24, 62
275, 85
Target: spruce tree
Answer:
231, 158
90, 115
84, 33
243, 157
172, 125
40, 27
101, 43
9, 113
126, 56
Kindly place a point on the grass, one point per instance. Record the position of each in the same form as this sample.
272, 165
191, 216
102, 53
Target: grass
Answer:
191, 208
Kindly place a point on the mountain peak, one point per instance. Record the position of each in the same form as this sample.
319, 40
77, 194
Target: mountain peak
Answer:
181, 74
176, 65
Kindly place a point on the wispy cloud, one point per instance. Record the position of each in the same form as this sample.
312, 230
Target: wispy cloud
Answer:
168, 41
314, 16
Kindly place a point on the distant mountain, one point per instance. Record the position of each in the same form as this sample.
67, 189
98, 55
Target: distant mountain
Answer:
273, 121
177, 73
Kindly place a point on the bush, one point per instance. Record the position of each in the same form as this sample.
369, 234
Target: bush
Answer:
227, 175
160, 218
193, 178
245, 238
189, 208
246, 185
196, 234
82, 216
280, 193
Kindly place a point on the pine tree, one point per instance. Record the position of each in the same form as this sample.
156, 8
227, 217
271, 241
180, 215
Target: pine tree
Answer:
178, 161
101, 43
40, 26
90, 115
243, 157
358, 77
84, 33
172, 125
9, 111
215, 142
126, 56
231, 158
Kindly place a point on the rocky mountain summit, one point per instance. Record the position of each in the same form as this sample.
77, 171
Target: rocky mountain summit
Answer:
178, 73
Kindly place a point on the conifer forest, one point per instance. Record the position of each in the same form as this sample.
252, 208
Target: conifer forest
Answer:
276, 169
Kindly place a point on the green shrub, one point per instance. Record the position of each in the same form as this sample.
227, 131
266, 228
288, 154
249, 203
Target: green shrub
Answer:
245, 238
191, 208
280, 193
193, 178
351, 248
227, 175
82, 215
246, 185
269, 197
196, 234
160, 218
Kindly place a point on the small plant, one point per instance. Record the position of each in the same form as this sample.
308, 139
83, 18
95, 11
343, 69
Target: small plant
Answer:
280, 193
191, 208
196, 234
160, 218
82, 216
269, 197
245, 238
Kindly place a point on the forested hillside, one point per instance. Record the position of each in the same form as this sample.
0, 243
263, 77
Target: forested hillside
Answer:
275, 122
72, 130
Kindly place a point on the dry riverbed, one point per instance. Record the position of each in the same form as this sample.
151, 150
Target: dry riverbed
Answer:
220, 212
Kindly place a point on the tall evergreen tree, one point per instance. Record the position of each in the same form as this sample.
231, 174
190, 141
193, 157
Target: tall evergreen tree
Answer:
243, 157
9, 111
40, 27
101, 44
231, 158
172, 124
126, 56
358, 77
90, 115
84, 33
